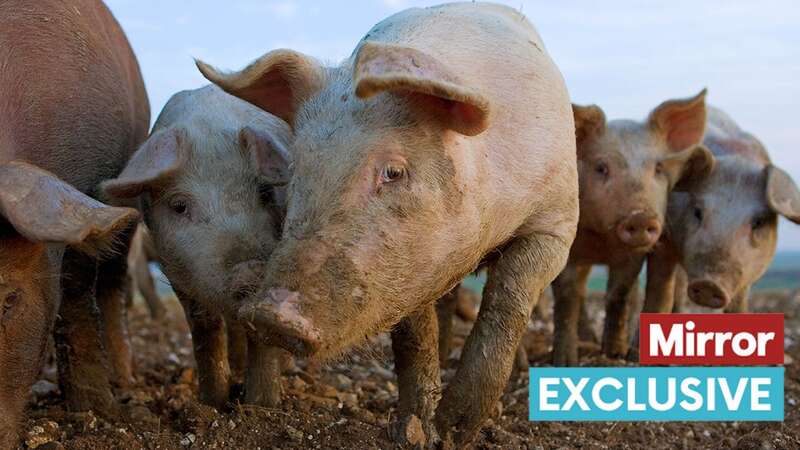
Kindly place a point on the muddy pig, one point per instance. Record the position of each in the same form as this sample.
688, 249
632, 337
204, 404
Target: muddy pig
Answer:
210, 181
73, 109
722, 231
446, 138
626, 171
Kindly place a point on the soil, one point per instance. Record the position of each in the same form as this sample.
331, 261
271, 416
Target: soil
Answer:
348, 403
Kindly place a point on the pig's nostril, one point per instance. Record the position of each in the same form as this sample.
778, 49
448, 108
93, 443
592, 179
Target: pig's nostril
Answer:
278, 318
707, 293
639, 230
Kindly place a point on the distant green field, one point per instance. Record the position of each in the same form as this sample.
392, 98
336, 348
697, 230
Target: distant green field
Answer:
784, 273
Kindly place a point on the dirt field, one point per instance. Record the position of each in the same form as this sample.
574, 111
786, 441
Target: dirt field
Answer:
348, 404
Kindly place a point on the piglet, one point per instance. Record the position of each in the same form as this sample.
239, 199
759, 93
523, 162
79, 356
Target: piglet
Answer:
721, 233
209, 180
626, 170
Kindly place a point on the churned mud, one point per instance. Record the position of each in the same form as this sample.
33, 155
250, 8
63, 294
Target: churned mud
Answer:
347, 404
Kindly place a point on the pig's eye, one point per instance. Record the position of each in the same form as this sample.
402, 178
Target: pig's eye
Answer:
759, 222
659, 168
392, 172
698, 214
179, 205
266, 193
601, 168
11, 300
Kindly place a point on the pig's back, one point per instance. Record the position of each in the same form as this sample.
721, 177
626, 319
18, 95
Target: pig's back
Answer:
724, 138
526, 161
72, 99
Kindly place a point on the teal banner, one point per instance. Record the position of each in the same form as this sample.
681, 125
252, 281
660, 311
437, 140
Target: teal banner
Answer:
656, 393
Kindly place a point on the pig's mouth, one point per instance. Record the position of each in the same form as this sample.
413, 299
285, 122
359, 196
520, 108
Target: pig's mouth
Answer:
276, 320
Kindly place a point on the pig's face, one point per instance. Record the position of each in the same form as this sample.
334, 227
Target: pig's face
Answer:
373, 196
28, 292
728, 229
39, 215
627, 169
214, 216
365, 212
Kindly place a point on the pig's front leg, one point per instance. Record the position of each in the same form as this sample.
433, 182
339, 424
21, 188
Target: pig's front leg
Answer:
83, 370
620, 295
210, 352
143, 281
569, 295
262, 383
446, 310
414, 343
237, 350
681, 288
660, 290
112, 289
515, 282
585, 330
659, 293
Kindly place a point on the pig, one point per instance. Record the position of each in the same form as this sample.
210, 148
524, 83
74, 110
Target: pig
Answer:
626, 171
141, 253
444, 140
209, 180
721, 233
460, 302
73, 109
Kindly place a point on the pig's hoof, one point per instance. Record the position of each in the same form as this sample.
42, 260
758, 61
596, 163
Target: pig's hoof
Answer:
616, 350
565, 358
408, 432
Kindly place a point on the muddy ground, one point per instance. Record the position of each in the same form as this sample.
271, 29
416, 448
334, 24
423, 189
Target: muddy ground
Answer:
348, 403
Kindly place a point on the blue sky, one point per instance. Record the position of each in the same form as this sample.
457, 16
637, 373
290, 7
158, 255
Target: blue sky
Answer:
626, 56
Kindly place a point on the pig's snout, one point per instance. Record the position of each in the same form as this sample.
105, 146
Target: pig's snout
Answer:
707, 293
639, 230
245, 276
276, 317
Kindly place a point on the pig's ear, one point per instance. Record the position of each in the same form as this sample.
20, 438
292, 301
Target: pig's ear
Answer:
383, 67
156, 161
783, 196
268, 154
43, 208
278, 82
590, 121
682, 122
689, 167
